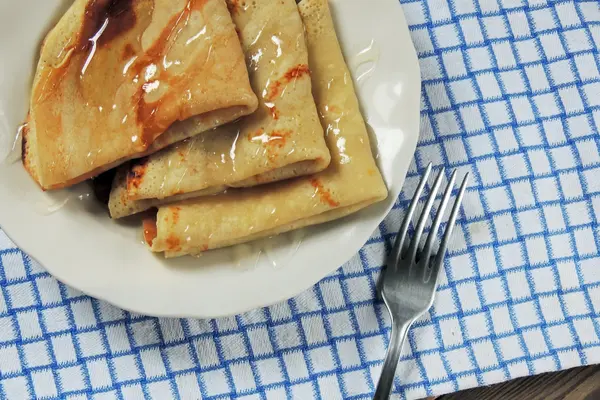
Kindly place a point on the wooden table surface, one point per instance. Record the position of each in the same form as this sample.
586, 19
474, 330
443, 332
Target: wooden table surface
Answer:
573, 384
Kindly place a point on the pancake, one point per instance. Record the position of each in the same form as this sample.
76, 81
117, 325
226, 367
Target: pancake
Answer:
281, 140
119, 79
351, 182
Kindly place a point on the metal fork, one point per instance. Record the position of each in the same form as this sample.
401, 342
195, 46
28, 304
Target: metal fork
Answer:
410, 280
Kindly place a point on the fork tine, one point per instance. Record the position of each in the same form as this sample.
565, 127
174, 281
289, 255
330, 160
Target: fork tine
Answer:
397, 250
414, 244
438, 220
439, 259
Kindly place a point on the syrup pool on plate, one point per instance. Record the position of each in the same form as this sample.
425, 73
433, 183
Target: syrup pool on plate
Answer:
277, 250
45, 203
365, 62
51, 202
15, 149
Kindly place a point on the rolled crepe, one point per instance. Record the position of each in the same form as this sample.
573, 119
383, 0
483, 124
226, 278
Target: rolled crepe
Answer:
281, 140
351, 182
115, 77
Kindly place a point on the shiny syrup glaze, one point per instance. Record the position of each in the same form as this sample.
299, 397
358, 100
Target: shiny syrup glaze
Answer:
105, 22
272, 141
276, 250
148, 113
15, 152
150, 230
117, 15
273, 250
276, 88
368, 57
275, 140
48, 203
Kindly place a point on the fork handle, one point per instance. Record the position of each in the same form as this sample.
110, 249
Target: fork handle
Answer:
388, 371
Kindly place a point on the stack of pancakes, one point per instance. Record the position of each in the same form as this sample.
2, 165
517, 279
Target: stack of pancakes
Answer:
227, 120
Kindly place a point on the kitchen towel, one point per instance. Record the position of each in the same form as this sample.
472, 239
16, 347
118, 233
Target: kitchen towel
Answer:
511, 93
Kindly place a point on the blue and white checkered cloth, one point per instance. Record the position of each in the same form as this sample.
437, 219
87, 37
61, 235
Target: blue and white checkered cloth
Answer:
511, 93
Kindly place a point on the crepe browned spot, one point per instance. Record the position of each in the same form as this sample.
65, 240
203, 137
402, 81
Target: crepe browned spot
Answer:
281, 140
351, 182
118, 79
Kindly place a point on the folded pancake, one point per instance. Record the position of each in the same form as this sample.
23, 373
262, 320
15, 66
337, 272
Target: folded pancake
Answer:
118, 79
281, 140
351, 182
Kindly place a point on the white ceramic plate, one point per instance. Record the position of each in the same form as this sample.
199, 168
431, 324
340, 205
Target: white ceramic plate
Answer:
77, 242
